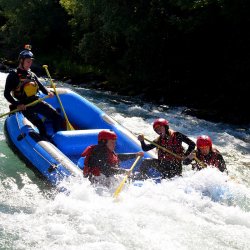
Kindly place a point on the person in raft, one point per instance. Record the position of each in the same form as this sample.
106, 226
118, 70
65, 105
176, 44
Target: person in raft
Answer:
167, 164
21, 88
101, 159
206, 153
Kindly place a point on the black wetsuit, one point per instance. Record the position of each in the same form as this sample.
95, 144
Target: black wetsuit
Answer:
31, 113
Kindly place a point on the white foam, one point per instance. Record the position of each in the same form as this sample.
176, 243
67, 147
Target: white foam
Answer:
202, 210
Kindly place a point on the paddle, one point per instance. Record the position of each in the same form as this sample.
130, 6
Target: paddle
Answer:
202, 164
69, 126
118, 190
28, 105
164, 149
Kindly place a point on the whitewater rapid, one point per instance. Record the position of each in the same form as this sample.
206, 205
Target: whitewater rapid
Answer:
201, 210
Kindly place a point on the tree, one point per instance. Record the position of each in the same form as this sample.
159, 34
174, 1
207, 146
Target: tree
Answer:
40, 23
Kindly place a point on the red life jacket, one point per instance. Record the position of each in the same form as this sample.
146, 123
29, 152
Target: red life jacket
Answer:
172, 144
211, 159
87, 170
110, 158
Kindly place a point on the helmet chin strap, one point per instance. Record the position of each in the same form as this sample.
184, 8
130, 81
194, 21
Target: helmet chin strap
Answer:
167, 130
21, 63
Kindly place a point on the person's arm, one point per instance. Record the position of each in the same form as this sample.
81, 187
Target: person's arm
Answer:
144, 146
41, 86
12, 82
128, 156
190, 160
187, 161
183, 138
222, 165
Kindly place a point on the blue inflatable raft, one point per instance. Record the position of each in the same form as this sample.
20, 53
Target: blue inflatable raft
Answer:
60, 157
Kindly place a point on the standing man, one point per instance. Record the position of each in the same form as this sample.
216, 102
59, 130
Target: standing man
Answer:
167, 164
21, 88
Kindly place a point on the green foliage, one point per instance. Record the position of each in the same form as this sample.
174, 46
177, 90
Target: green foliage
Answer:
64, 67
155, 46
42, 23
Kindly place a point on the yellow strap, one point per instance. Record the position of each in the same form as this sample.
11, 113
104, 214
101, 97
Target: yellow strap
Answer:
30, 88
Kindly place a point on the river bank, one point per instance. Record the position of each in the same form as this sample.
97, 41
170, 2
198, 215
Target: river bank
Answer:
229, 107
217, 110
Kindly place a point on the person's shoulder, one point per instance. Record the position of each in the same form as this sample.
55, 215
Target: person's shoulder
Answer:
87, 151
99, 148
217, 153
32, 73
215, 150
156, 140
12, 74
178, 134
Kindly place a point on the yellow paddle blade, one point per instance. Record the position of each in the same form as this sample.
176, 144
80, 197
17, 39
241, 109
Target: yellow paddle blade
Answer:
118, 190
69, 126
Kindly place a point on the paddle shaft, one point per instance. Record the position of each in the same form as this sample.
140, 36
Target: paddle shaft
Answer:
164, 149
28, 105
175, 155
201, 163
118, 190
69, 126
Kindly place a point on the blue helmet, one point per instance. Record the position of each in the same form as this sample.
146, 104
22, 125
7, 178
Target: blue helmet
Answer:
26, 53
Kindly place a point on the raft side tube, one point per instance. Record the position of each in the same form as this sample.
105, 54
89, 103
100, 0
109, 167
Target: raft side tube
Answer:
73, 142
81, 113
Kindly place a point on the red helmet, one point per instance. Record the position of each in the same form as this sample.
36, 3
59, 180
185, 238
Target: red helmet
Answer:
106, 135
160, 122
203, 141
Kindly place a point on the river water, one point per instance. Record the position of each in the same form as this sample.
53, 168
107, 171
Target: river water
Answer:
201, 210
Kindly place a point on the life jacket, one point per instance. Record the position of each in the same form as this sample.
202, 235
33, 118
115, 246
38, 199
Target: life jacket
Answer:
211, 159
27, 86
171, 143
110, 158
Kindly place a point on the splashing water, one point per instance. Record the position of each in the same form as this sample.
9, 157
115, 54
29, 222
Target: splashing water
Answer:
201, 210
